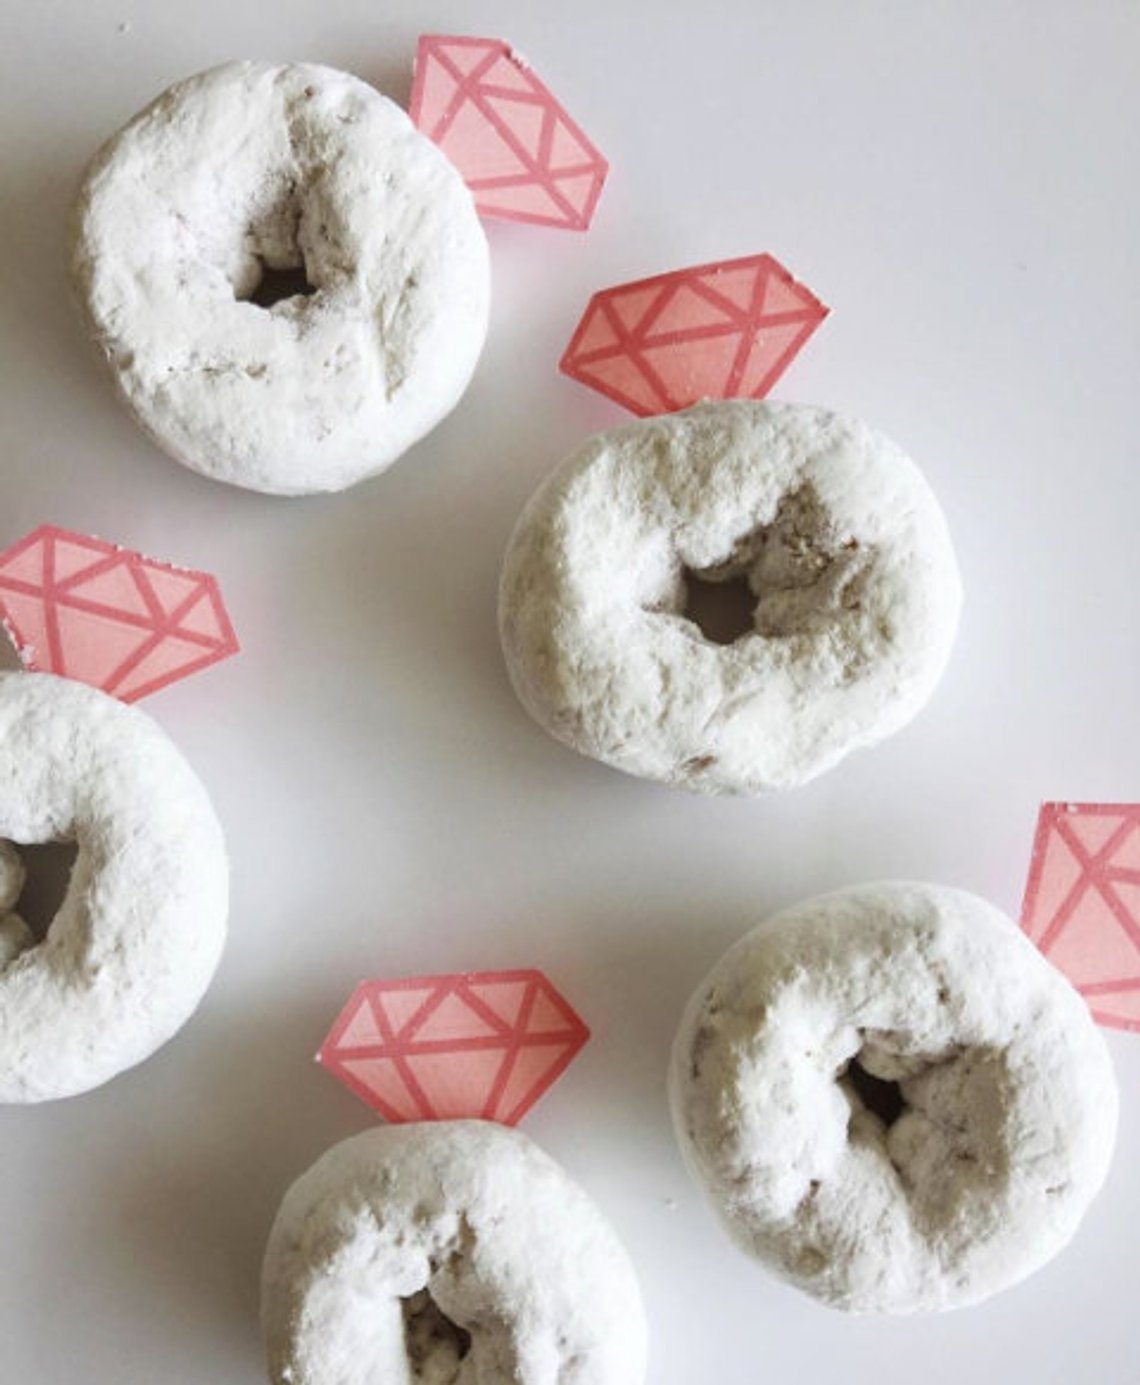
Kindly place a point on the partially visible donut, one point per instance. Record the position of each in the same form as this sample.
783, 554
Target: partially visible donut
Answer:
455, 1253
843, 545
252, 167
136, 940
893, 1100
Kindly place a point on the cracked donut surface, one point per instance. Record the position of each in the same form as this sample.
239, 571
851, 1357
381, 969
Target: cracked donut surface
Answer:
252, 167
892, 1099
136, 940
854, 581
455, 1253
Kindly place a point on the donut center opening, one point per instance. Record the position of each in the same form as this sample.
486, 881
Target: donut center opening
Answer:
34, 882
275, 285
435, 1344
48, 867
270, 267
882, 1097
797, 575
723, 611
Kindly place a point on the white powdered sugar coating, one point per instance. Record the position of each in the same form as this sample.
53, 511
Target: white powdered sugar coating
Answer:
1008, 1100
251, 165
138, 936
455, 1253
842, 543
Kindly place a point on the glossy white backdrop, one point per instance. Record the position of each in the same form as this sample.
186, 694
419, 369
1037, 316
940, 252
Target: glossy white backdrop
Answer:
958, 180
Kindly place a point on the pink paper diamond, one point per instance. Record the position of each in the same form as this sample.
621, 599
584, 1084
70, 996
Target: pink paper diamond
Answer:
717, 331
1082, 903
89, 610
518, 150
483, 1044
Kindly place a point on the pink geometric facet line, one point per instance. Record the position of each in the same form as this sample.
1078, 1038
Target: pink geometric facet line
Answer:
51, 617
467, 85
714, 329
396, 1046
407, 1076
1095, 988
510, 1057
805, 316
61, 596
1091, 877
55, 593
470, 89
629, 346
1107, 1020
1096, 873
537, 164
631, 341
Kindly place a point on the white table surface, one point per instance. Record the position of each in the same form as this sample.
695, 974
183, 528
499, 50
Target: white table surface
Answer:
959, 181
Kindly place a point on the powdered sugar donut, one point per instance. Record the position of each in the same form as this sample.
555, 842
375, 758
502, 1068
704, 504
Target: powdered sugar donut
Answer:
844, 548
451, 1252
893, 1100
139, 933
253, 167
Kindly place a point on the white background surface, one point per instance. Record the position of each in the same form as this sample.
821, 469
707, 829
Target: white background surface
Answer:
959, 181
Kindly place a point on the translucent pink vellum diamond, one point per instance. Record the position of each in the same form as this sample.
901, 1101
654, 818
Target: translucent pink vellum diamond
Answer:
1082, 903
87, 609
518, 150
483, 1044
725, 330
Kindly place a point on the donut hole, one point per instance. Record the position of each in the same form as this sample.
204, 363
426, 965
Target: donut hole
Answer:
879, 1095
271, 264
275, 285
435, 1344
796, 575
722, 609
46, 869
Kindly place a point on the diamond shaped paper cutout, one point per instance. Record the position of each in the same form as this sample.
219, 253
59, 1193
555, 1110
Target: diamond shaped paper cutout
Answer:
86, 609
1082, 903
726, 330
518, 150
483, 1044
